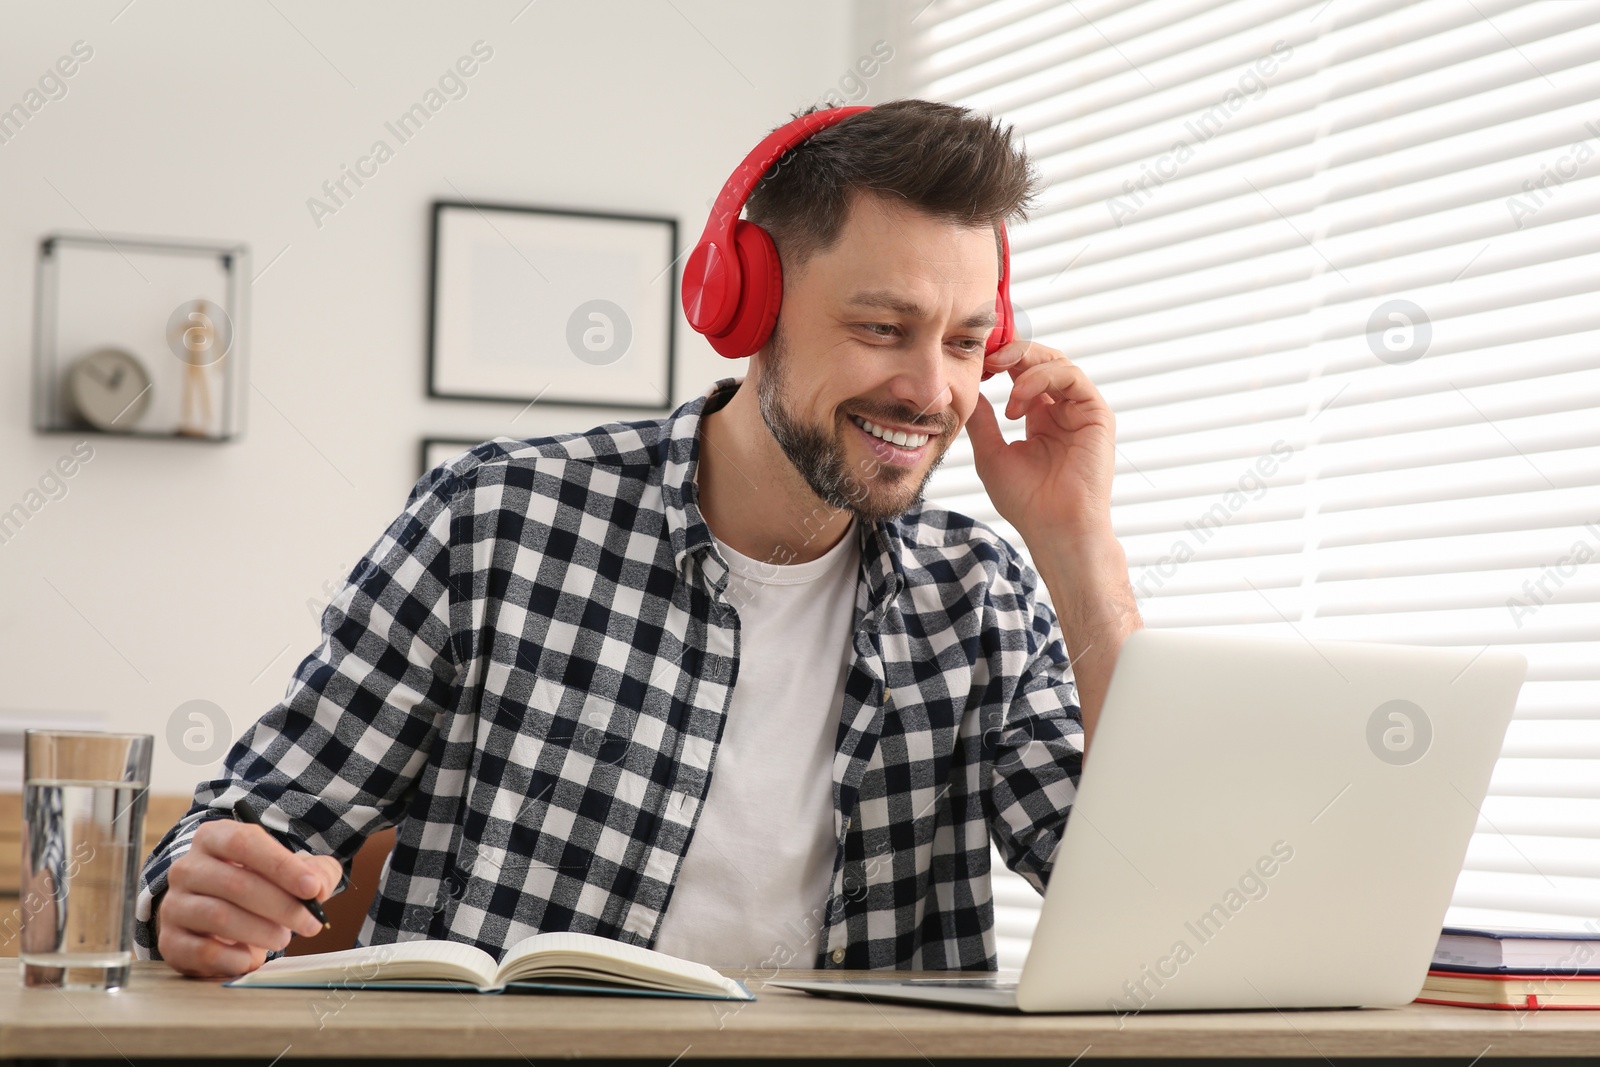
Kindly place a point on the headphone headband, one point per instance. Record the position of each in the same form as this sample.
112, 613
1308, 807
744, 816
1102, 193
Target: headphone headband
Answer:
742, 182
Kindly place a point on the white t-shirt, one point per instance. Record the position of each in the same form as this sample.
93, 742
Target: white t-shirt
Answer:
754, 883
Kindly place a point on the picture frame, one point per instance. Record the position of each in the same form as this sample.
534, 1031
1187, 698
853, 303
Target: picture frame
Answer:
551, 305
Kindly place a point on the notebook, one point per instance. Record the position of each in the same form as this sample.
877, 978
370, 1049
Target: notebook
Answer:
559, 961
1511, 992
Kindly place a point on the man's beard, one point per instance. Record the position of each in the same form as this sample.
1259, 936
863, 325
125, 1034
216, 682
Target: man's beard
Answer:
872, 490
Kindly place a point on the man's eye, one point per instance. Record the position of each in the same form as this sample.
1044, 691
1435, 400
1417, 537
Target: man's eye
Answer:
967, 345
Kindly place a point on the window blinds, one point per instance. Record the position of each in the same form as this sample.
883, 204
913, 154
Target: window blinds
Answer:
1334, 264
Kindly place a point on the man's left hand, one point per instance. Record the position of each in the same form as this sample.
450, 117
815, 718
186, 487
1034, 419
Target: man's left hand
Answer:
1056, 482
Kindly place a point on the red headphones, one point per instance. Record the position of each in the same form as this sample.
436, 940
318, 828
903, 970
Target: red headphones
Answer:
732, 282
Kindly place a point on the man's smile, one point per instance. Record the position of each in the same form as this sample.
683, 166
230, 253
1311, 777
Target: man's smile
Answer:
894, 447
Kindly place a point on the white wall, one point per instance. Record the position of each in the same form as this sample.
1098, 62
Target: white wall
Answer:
175, 571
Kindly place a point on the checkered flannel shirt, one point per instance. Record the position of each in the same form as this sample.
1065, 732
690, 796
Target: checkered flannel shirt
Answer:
528, 674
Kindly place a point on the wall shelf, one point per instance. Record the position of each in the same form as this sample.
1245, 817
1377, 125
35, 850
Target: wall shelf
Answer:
140, 337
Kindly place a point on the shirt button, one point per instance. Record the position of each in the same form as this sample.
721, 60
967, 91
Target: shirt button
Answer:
838, 955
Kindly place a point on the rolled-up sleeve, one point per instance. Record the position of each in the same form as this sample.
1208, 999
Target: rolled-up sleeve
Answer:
333, 761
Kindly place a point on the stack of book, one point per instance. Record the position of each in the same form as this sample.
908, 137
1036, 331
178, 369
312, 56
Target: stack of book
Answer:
1514, 970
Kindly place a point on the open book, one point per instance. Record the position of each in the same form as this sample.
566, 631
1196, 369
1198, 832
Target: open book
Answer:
560, 961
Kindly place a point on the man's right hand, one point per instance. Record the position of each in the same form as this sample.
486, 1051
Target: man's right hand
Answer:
235, 896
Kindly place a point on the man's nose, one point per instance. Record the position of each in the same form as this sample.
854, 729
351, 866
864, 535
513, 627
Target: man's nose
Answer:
923, 384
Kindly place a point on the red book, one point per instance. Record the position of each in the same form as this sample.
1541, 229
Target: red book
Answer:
1511, 992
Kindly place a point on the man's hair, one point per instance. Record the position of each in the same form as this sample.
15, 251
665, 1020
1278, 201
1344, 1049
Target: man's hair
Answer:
946, 161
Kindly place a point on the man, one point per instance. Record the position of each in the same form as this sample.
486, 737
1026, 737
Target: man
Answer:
720, 684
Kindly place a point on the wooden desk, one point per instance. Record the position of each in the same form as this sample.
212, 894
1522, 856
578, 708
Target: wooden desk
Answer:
163, 1014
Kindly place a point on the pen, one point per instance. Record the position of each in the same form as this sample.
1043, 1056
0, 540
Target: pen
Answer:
244, 813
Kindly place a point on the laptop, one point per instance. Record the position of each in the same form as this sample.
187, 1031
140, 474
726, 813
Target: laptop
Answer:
1261, 822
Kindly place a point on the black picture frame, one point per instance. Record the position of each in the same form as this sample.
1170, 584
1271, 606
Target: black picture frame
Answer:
487, 212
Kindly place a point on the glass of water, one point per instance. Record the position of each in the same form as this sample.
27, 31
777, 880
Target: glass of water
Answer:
83, 805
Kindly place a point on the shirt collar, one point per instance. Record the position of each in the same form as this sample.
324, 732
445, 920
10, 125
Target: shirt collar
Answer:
884, 553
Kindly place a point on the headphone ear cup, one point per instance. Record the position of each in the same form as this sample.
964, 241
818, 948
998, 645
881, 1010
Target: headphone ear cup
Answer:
760, 293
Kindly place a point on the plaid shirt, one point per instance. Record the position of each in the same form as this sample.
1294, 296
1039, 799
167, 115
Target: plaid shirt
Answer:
527, 674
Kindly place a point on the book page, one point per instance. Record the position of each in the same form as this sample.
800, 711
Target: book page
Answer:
403, 960
577, 954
